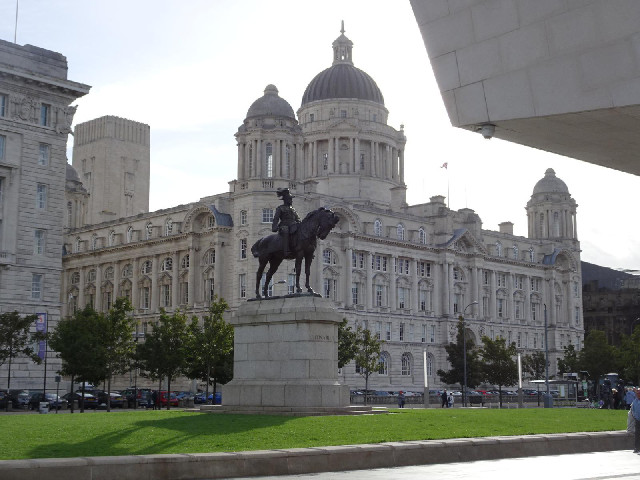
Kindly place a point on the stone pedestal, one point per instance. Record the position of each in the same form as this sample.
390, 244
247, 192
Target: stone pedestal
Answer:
286, 358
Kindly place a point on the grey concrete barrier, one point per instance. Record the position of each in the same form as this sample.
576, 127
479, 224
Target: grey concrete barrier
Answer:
311, 460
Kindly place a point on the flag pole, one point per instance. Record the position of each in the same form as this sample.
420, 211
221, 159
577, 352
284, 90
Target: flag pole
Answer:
15, 31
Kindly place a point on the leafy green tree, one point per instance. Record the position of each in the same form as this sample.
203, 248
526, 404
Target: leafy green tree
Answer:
78, 341
570, 362
534, 366
367, 357
455, 357
117, 341
164, 351
498, 364
16, 339
629, 356
597, 357
347, 343
211, 345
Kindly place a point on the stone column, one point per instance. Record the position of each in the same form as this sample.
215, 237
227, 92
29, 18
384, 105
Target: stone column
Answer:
393, 287
402, 167
98, 305
155, 288
356, 149
175, 280
369, 281
135, 288
415, 306
259, 158
349, 277
240, 161
116, 281
336, 155
81, 287
492, 298
450, 283
373, 159
194, 263
217, 272
527, 299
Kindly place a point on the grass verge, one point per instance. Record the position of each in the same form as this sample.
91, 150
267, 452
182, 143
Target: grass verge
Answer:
162, 432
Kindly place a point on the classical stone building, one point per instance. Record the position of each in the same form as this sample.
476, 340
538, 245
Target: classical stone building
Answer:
407, 272
35, 120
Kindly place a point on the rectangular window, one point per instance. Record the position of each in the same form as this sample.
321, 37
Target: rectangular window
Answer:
403, 297
357, 259
291, 283
577, 315
41, 196
535, 284
267, 215
518, 310
36, 287
38, 242
485, 306
457, 302
379, 295
184, 292
379, 330
165, 295
243, 248
3, 105
422, 301
519, 340
210, 289
388, 332
500, 307
432, 334
485, 277
517, 282
108, 299
379, 262
145, 298
243, 285
3, 141
1, 189
423, 338
534, 311
44, 114
401, 333
243, 217
354, 294
424, 269
43, 156
502, 279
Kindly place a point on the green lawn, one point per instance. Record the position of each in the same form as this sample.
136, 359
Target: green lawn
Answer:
153, 432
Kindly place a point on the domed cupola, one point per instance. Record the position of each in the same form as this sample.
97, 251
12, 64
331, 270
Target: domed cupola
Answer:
270, 104
551, 210
342, 79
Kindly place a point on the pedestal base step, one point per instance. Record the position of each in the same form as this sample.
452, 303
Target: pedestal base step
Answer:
293, 411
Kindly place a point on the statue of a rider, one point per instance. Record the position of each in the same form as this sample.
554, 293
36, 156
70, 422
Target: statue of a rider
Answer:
286, 219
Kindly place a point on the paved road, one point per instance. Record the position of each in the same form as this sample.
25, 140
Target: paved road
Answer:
618, 465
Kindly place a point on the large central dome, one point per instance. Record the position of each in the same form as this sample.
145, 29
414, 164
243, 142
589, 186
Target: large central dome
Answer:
342, 79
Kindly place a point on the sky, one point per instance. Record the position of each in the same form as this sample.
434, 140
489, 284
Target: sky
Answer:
190, 69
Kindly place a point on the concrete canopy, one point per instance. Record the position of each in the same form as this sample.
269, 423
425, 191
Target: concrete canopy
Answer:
560, 76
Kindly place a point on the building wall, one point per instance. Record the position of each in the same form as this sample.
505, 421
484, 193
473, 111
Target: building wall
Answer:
34, 124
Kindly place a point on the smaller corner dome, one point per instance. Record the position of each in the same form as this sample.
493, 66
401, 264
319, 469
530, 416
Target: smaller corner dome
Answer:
71, 174
270, 104
550, 184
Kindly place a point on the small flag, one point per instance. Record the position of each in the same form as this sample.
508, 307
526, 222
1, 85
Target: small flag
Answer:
445, 165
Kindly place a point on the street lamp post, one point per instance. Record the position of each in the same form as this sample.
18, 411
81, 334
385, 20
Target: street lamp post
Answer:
464, 354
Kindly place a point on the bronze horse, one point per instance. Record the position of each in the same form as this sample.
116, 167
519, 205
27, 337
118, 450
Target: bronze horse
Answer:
269, 249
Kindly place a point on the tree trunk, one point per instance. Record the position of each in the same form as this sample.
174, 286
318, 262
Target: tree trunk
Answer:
8, 384
169, 392
72, 401
109, 393
82, 396
206, 391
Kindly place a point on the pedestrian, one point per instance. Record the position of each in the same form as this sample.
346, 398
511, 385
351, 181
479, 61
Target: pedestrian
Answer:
629, 397
450, 401
444, 398
635, 411
154, 399
400, 399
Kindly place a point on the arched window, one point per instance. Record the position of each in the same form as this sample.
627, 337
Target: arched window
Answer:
377, 228
75, 278
498, 249
108, 273
269, 150
91, 276
148, 231
167, 265
146, 267
406, 364
422, 236
112, 238
130, 234
383, 364
400, 231
168, 227
127, 271
185, 261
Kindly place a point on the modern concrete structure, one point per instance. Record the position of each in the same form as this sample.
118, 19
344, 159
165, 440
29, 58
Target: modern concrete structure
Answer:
557, 75
35, 120
406, 272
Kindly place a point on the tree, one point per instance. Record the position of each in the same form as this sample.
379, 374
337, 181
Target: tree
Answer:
367, 356
534, 365
597, 357
347, 344
211, 345
164, 351
498, 366
16, 339
629, 356
570, 362
117, 341
78, 341
455, 357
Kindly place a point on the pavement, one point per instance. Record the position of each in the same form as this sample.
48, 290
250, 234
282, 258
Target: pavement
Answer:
619, 465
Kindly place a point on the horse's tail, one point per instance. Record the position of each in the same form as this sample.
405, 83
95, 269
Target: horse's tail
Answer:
254, 249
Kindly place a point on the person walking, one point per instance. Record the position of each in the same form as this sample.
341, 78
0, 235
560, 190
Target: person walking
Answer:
400, 399
629, 397
450, 401
444, 398
635, 411
154, 399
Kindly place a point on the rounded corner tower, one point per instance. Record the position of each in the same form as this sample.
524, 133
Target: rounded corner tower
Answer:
340, 146
551, 210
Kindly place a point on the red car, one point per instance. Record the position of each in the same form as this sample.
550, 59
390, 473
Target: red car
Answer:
162, 399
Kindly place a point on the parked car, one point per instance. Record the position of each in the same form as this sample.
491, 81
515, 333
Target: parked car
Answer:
200, 398
90, 401
143, 396
218, 398
162, 398
55, 401
4, 399
19, 398
117, 399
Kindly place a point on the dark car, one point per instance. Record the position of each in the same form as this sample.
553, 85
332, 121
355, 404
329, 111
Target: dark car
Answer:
55, 402
117, 399
90, 401
143, 396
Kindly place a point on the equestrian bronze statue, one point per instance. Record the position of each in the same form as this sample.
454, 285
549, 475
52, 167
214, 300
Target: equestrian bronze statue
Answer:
297, 241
